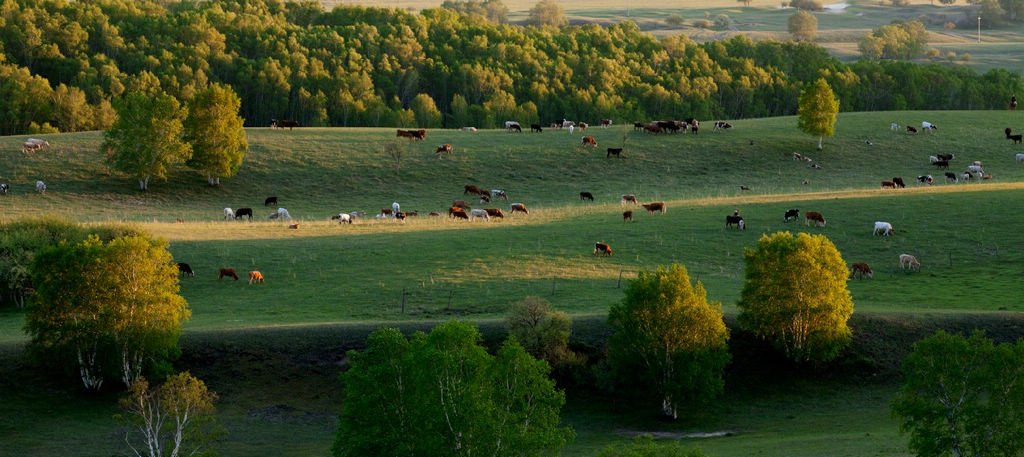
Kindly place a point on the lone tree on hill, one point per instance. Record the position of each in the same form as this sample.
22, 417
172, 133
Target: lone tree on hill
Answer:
668, 337
146, 138
547, 12
963, 396
795, 295
817, 110
443, 395
214, 129
803, 26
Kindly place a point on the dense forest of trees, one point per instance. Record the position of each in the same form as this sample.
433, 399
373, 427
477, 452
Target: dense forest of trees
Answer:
63, 62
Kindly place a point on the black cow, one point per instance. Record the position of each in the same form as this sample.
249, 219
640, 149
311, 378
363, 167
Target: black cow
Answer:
898, 181
793, 214
270, 201
586, 196
185, 269
617, 152
243, 212
737, 220
536, 128
942, 164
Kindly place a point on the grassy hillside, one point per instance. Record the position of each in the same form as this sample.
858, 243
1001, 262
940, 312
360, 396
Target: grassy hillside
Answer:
963, 233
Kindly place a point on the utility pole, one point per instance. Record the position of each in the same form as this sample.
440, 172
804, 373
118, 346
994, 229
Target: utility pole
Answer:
979, 28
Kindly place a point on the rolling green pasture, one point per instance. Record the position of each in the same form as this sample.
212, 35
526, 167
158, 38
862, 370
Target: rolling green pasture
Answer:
963, 234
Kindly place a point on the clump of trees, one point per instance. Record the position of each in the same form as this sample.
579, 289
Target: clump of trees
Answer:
963, 396
109, 310
669, 339
442, 394
549, 13
493, 10
795, 296
901, 40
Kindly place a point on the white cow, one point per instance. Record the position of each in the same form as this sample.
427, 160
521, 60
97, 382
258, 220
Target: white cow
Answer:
974, 168
570, 129
909, 261
479, 213
229, 213
928, 126
394, 209
498, 193
933, 159
894, 126
41, 143
283, 214
884, 227
343, 218
40, 187
1020, 157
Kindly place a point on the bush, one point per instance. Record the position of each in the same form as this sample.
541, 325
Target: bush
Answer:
809, 5
674, 20
702, 24
723, 21
34, 128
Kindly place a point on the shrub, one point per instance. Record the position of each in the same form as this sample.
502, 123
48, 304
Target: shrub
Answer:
674, 20
702, 24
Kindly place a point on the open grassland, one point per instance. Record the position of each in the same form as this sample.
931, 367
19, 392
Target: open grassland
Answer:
963, 234
840, 26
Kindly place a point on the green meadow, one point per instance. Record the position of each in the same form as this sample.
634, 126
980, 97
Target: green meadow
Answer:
273, 350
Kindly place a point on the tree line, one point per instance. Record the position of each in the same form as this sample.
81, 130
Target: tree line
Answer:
64, 64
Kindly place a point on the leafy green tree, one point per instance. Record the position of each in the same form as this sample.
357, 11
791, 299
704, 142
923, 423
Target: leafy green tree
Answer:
493, 10
547, 12
175, 419
645, 446
991, 14
809, 5
803, 26
795, 295
426, 112
667, 336
109, 310
71, 111
674, 20
1013, 9
902, 40
214, 130
543, 332
963, 397
817, 110
442, 394
146, 138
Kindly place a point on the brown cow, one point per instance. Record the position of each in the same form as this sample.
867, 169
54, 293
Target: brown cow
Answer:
653, 129
461, 204
589, 140
627, 216
602, 249
456, 212
227, 272
628, 198
606, 122
656, 206
495, 212
888, 184
860, 270
518, 207
471, 189
814, 216
443, 149
294, 226
255, 276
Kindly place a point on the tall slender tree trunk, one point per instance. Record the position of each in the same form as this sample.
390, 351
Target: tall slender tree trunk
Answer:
819, 142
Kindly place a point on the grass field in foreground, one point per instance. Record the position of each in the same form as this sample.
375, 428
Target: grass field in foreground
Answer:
964, 234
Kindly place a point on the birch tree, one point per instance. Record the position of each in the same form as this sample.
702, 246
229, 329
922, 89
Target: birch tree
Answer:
172, 420
214, 130
146, 139
817, 110
667, 336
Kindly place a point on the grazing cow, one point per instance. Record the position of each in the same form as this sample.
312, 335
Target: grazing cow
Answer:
928, 126
653, 129
270, 201
942, 164
894, 126
816, 166
860, 270
975, 169
582, 126
815, 216
986, 176
966, 176
495, 212
479, 213
655, 206
602, 249
498, 193
1016, 138
888, 184
40, 187
884, 227
733, 219
456, 209
343, 218
5, 187
459, 215
185, 269
243, 212
290, 124
229, 214
721, 125
744, 188
668, 126
40, 143
485, 198
925, 179
1019, 157
605, 123
414, 135
518, 207
469, 129
293, 226
471, 189
932, 159
443, 149
909, 261
255, 276
639, 126
30, 147
627, 216
791, 214
536, 128
617, 152
461, 204
911, 129
586, 196
230, 272
797, 156
589, 140
512, 125
628, 198
951, 175
946, 157
899, 182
